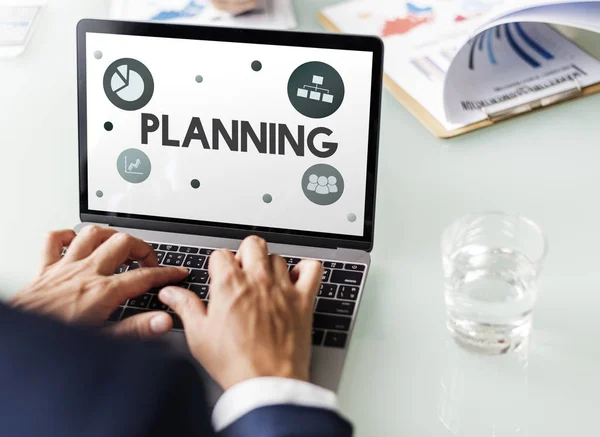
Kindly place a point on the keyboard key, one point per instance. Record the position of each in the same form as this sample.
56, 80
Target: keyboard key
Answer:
130, 312
174, 259
333, 265
121, 269
325, 321
134, 265
116, 315
291, 261
188, 249
140, 301
355, 267
317, 337
327, 290
177, 323
349, 293
157, 305
160, 256
336, 339
200, 290
207, 251
194, 261
326, 275
335, 307
154, 245
346, 277
169, 247
198, 277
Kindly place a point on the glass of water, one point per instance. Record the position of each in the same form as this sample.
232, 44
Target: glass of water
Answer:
491, 262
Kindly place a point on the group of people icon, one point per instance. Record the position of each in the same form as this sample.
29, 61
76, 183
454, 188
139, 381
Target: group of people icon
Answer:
322, 184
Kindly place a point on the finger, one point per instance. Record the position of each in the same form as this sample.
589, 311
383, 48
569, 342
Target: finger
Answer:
186, 305
280, 271
224, 269
143, 326
254, 258
309, 274
235, 6
88, 240
54, 244
133, 283
120, 248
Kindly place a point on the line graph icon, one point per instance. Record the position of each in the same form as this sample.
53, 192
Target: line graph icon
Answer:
314, 92
134, 166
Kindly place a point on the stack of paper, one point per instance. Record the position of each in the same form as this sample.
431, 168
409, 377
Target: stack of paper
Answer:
271, 14
460, 60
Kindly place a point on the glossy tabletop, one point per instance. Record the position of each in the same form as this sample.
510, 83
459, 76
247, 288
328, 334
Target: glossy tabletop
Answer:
403, 376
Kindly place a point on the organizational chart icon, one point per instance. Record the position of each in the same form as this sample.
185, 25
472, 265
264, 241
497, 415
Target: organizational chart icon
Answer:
323, 184
314, 92
316, 89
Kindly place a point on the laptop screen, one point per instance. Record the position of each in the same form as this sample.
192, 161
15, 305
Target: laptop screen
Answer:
252, 135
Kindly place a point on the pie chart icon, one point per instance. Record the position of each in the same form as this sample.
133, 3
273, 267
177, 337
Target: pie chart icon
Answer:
128, 84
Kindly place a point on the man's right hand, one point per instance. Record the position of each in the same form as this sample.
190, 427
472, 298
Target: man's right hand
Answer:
259, 320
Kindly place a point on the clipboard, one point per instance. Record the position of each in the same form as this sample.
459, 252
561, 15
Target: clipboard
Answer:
492, 117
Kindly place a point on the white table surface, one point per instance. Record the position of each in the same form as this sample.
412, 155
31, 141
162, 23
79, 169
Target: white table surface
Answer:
403, 376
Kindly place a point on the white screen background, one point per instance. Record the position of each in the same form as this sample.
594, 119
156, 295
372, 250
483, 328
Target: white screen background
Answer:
232, 183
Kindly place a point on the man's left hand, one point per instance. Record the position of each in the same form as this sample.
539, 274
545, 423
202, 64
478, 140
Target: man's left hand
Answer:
81, 287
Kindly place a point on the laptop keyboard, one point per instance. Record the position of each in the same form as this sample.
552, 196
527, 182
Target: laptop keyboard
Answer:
334, 308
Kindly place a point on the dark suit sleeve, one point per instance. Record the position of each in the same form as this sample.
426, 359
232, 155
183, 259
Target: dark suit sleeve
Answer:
64, 381
289, 421
60, 381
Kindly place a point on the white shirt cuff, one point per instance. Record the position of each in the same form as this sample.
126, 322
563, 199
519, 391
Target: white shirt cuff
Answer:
255, 393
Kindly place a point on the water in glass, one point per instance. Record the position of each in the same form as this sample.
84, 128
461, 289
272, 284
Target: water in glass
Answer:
490, 291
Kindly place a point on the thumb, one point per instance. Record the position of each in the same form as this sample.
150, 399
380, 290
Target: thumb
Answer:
143, 326
186, 304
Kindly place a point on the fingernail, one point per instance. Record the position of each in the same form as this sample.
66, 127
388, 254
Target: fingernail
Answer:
159, 324
166, 294
184, 269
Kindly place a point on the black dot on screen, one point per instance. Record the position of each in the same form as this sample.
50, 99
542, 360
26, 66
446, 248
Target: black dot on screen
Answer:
267, 198
99, 194
108, 126
199, 79
195, 184
256, 66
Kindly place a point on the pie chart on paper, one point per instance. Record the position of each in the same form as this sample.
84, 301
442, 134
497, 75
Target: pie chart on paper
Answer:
128, 84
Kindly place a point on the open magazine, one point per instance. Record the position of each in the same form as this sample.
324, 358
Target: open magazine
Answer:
463, 61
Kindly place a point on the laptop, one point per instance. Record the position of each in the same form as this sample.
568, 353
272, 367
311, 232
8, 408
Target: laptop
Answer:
193, 138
